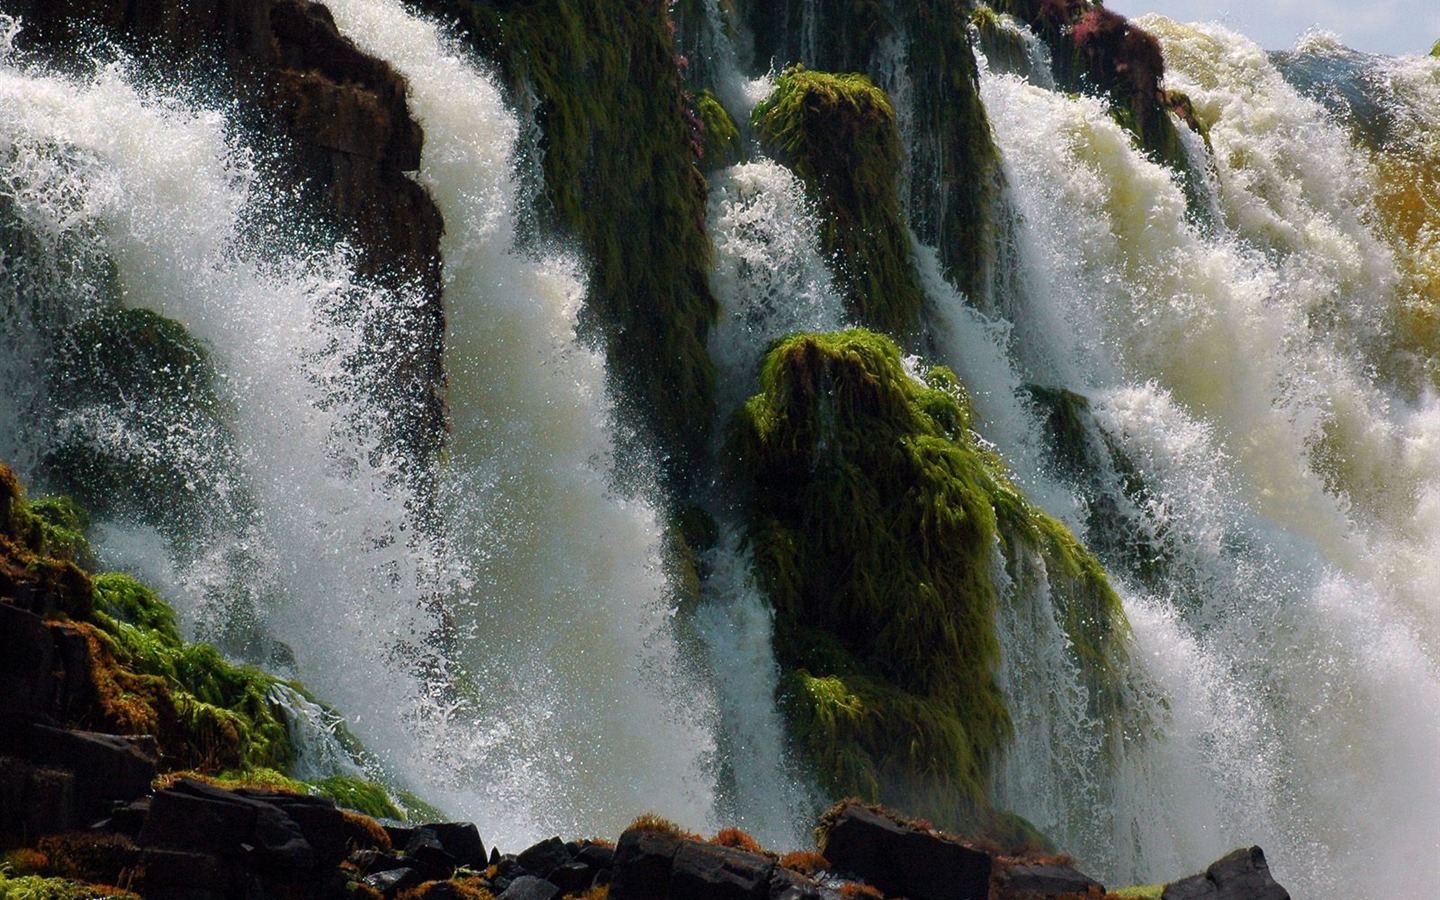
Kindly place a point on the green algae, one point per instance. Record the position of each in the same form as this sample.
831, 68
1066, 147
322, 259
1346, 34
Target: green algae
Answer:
839, 134
619, 157
877, 520
34, 887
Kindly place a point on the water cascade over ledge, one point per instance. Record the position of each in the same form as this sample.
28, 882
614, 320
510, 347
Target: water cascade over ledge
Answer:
1207, 350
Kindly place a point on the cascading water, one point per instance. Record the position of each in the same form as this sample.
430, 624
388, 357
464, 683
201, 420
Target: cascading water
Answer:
1288, 637
510, 656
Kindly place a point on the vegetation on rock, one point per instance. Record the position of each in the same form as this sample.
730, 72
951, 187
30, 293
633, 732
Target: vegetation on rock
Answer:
877, 522
952, 177
603, 83
721, 135
838, 133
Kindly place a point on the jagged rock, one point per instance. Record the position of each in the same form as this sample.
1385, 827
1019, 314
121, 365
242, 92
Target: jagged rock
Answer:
788, 885
197, 817
643, 860
572, 876
320, 821
27, 667
462, 841
1046, 881
710, 872
35, 800
597, 856
427, 854
186, 875
544, 857
905, 861
107, 768
1239, 875
528, 887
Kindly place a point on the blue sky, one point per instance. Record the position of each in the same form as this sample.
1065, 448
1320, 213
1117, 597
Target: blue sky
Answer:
1387, 26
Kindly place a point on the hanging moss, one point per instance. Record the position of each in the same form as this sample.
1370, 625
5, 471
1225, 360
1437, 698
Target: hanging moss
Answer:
953, 171
838, 133
1005, 50
875, 518
603, 82
722, 143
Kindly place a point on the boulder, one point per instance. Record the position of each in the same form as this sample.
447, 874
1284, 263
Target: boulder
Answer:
544, 857
902, 860
196, 817
643, 860
1239, 875
528, 887
321, 823
27, 667
788, 885
1047, 881
704, 871
107, 768
462, 841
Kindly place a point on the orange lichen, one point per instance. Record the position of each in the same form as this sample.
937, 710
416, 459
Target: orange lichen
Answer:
734, 837
807, 862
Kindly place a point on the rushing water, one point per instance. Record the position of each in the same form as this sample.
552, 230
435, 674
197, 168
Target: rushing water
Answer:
1260, 368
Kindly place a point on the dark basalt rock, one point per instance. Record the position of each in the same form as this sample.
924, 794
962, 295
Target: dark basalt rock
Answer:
462, 841
343, 136
710, 872
544, 857
1031, 881
904, 861
528, 887
1240, 875
788, 885
392, 881
107, 768
643, 861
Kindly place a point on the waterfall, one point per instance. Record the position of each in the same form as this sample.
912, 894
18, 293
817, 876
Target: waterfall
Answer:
510, 656
1287, 646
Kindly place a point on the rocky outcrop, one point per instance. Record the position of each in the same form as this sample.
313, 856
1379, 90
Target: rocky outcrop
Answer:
904, 860
1240, 875
335, 124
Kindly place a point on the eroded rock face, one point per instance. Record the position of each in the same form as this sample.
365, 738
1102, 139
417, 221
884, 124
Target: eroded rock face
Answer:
905, 861
345, 140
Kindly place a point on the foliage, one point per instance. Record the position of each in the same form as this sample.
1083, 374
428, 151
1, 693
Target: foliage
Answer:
838, 132
33, 887
875, 520
604, 84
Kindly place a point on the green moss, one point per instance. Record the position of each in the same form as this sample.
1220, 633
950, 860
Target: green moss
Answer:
838, 132
1435, 50
619, 157
33, 887
874, 520
360, 795
122, 597
953, 173
722, 143
38, 550
1004, 49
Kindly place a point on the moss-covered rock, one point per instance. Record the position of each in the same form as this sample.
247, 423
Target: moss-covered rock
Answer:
838, 133
721, 135
878, 522
604, 84
921, 48
143, 431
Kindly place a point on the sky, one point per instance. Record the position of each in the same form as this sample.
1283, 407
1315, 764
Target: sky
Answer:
1394, 27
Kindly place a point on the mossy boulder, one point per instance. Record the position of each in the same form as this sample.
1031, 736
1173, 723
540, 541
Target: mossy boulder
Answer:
143, 431
1435, 50
838, 132
878, 522
952, 176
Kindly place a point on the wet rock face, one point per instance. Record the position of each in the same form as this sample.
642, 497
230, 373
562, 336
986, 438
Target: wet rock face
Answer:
344, 140
1239, 875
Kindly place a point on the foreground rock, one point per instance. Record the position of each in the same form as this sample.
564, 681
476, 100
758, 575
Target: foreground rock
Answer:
1240, 875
